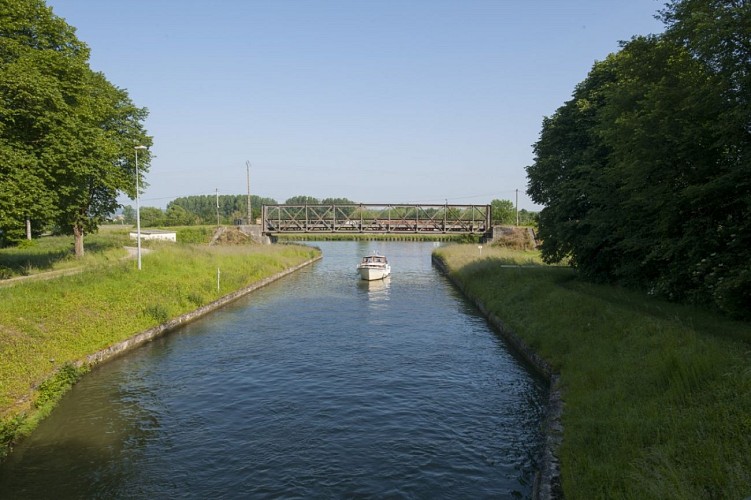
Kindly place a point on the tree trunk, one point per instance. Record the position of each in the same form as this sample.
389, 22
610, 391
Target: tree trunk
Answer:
28, 228
78, 234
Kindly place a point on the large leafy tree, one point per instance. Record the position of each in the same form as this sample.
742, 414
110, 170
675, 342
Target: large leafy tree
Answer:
36, 50
661, 123
95, 158
568, 178
645, 174
66, 133
717, 33
23, 193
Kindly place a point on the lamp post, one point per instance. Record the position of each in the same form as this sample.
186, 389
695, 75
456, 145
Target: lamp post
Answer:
138, 210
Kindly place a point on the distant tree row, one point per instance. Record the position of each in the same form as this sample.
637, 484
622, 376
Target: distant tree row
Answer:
204, 209
191, 210
504, 212
231, 208
67, 135
645, 174
310, 200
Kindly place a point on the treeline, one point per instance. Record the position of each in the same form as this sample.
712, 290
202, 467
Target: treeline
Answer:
645, 174
233, 209
204, 209
67, 135
504, 212
208, 209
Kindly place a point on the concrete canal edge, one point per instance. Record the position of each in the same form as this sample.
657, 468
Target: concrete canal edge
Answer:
547, 483
150, 334
139, 339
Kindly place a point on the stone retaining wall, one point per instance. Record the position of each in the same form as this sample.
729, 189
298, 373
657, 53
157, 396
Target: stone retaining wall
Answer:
151, 333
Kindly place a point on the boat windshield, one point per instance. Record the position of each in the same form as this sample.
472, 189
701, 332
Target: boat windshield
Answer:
374, 259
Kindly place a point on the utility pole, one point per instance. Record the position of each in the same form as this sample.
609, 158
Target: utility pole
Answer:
217, 206
250, 217
517, 206
138, 209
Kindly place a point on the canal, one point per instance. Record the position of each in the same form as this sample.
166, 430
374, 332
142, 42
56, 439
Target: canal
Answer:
317, 386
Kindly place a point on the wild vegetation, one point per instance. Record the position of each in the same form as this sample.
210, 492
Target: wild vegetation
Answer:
657, 396
645, 174
47, 325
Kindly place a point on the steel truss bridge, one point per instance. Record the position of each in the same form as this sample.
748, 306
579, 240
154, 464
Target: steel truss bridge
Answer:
373, 218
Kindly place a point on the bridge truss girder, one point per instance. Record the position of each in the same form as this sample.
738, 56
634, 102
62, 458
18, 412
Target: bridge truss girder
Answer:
373, 218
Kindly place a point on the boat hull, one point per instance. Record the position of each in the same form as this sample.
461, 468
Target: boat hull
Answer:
374, 273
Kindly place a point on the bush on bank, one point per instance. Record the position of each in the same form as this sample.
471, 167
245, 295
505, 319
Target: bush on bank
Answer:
45, 326
657, 396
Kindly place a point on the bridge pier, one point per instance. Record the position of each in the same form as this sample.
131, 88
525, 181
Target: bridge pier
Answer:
255, 231
520, 235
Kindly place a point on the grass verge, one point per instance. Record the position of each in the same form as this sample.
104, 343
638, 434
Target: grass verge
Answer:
53, 253
46, 326
657, 396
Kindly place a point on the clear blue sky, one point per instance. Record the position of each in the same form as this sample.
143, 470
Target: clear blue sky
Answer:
378, 101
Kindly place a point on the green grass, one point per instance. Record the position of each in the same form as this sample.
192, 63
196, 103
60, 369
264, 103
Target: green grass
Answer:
657, 396
51, 253
48, 325
193, 234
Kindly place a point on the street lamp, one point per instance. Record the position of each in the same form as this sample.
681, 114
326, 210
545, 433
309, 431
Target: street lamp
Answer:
138, 210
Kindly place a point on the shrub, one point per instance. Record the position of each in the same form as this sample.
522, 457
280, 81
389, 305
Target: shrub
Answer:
158, 312
51, 389
195, 234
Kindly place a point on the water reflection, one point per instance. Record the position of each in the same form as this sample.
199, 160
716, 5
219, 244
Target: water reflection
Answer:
376, 290
91, 443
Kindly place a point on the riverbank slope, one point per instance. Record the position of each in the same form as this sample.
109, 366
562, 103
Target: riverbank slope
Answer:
656, 396
49, 328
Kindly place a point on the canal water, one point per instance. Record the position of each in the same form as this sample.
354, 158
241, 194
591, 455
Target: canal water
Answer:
318, 386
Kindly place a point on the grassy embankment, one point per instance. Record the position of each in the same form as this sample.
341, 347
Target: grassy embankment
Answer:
54, 253
657, 396
45, 326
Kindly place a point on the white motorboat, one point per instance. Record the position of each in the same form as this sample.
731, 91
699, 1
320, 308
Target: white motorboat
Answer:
374, 267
